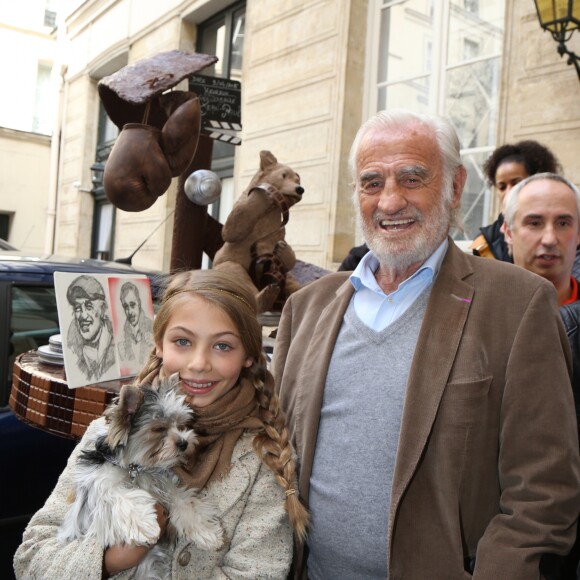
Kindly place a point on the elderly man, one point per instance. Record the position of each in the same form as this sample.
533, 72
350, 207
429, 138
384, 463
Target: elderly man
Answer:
90, 335
428, 393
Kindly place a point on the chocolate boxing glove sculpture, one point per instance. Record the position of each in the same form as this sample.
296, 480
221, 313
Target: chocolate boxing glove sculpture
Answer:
159, 126
144, 158
180, 135
137, 172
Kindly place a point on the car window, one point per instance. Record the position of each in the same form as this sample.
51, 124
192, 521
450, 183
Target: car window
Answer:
34, 318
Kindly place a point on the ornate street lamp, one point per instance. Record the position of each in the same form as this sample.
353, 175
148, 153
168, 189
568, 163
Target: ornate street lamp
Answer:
561, 18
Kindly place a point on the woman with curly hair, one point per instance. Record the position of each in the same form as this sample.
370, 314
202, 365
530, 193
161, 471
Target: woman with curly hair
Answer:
507, 166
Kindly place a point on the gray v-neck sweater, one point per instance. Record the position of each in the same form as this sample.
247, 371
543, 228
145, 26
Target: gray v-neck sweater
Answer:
350, 486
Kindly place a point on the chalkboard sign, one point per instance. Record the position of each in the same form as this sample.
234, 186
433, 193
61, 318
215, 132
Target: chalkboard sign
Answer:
221, 100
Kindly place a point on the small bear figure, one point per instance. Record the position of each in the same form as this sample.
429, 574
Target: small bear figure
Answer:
255, 249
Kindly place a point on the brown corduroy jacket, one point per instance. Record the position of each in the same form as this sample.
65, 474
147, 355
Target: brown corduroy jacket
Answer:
488, 464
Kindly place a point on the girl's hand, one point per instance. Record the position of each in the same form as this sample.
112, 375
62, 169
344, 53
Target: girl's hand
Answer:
162, 517
121, 557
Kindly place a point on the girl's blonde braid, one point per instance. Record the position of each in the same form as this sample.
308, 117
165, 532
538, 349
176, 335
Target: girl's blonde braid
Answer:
274, 448
153, 363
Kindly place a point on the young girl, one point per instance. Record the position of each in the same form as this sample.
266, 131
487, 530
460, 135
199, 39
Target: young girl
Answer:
207, 331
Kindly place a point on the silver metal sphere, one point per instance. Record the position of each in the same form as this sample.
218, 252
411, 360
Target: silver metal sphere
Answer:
203, 187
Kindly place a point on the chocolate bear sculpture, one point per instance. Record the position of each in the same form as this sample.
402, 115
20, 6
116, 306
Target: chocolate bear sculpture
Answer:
255, 249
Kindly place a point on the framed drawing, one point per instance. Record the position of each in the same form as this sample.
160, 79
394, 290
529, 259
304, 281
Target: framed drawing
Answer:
106, 325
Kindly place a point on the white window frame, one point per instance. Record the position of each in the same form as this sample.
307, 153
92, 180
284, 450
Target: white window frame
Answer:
441, 11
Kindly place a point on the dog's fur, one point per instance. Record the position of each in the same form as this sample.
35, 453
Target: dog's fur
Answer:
254, 234
118, 481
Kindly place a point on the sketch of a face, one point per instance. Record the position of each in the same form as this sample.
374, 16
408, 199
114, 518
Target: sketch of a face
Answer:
89, 316
132, 307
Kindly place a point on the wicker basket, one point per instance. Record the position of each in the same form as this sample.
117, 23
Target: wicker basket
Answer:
40, 396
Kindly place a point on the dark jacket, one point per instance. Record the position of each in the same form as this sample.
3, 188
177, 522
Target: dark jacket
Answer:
571, 317
496, 241
354, 256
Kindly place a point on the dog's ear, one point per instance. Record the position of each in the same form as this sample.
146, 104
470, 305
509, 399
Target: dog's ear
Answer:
267, 159
131, 399
121, 416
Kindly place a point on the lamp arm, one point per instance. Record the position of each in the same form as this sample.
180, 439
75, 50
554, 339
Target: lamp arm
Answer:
572, 56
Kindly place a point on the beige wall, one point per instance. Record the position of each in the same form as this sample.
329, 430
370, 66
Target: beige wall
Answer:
98, 38
302, 100
27, 107
24, 178
541, 93
302, 95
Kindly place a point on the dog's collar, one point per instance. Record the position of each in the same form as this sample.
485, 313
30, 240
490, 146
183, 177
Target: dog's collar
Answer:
134, 469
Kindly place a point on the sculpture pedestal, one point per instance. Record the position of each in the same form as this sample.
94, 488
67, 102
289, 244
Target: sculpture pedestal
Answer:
40, 396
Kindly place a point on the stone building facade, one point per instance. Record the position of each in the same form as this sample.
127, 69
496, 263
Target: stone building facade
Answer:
308, 80
27, 104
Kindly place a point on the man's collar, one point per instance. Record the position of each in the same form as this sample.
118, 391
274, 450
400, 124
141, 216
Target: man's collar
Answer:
364, 273
573, 293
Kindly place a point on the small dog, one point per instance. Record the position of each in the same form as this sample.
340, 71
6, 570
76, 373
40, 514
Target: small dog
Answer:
118, 482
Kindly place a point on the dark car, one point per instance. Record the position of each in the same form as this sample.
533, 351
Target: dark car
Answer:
32, 459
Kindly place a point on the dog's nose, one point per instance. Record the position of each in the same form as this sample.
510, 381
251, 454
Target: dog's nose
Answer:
299, 190
182, 445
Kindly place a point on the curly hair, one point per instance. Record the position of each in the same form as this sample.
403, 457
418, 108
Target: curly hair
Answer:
272, 443
535, 157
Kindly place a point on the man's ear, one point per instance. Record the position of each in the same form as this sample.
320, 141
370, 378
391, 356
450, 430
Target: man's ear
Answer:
459, 180
507, 232
509, 240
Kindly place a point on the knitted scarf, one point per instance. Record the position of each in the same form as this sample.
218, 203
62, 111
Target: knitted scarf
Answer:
218, 426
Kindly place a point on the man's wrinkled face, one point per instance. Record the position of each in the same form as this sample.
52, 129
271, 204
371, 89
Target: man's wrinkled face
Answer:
89, 316
404, 212
132, 307
544, 233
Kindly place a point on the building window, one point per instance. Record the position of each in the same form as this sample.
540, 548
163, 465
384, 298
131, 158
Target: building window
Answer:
4, 225
223, 35
103, 229
41, 120
49, 18
443, 57
50, 12
470, 49
104, 212
471, 6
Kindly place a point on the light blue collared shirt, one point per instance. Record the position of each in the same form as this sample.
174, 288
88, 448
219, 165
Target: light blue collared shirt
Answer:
377, 309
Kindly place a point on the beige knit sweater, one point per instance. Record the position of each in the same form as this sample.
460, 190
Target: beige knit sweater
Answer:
258, 536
